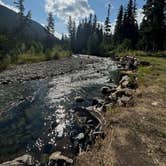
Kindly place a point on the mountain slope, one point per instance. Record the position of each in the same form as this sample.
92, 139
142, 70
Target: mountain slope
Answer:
9, 21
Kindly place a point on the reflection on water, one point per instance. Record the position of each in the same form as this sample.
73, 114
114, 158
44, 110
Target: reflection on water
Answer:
39, 116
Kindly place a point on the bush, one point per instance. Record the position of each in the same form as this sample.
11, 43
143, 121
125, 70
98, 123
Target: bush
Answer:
5, 63
28, 58
125, 46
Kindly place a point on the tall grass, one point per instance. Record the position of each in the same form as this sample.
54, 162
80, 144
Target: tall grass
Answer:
27, 57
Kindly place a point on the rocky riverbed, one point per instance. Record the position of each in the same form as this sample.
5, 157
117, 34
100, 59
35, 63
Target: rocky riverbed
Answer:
42, 70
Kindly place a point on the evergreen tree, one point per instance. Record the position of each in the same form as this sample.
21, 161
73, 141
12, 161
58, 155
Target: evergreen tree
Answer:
20, 5
130, 26
72, 33
93, 44
107, 23
153, 27
118, 34
50, 23
94, 23
29, 15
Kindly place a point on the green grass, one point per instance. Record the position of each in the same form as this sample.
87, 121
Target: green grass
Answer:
141, 53
34, 58
27, 58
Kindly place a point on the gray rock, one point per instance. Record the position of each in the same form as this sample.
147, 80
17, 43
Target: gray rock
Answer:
79, 99
25, 160
80, 136
105, 90
57, 156
124, 100
124, 81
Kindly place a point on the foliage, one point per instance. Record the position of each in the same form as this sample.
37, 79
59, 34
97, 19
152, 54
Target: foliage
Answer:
118, 34
107, 24
93, 44
153, 27
81, 36
50, 23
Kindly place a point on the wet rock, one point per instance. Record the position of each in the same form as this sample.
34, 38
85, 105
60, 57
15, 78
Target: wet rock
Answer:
58, 159
80, 136
105, 90
124, 81
128, 82
97, 102
79, 99
54, 125
25, 160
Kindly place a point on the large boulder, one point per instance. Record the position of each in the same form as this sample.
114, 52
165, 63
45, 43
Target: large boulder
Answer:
25, 160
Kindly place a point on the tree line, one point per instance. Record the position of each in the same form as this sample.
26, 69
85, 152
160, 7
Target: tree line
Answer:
91, 37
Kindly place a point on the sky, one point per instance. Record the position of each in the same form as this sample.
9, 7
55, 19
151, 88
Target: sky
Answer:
77, 9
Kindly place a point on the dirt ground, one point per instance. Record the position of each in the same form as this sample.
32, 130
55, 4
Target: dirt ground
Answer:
136, 136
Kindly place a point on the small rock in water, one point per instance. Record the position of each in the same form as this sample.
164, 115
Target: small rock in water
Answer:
80, 136
105, 90
57, 158
79, 99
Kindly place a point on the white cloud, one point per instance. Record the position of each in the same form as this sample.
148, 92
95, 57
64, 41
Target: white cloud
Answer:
77, 9
113, 26
140, 16
9, 6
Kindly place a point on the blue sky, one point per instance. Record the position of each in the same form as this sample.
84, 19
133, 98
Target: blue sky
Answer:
76, 8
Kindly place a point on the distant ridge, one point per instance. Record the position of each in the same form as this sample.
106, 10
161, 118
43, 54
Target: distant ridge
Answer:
9, 21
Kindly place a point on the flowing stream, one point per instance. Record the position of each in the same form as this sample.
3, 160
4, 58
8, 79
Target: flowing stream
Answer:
39, 116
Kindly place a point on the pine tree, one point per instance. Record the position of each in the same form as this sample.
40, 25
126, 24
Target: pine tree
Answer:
153, 27
50, 23
29, 15
93, 44
107, 23
118, 34
20, 5
130, 26
72, 33
94, 23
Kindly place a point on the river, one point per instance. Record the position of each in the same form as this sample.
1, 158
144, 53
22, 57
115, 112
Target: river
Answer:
39, 116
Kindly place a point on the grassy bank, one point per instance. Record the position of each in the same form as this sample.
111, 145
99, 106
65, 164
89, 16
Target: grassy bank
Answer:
24, 58
136, 135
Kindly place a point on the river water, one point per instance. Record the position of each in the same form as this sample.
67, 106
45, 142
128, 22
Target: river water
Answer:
39, 117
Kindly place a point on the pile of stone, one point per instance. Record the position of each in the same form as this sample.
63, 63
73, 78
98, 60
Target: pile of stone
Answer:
122, 93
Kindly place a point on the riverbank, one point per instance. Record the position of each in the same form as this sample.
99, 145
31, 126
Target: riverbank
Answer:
135, 135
